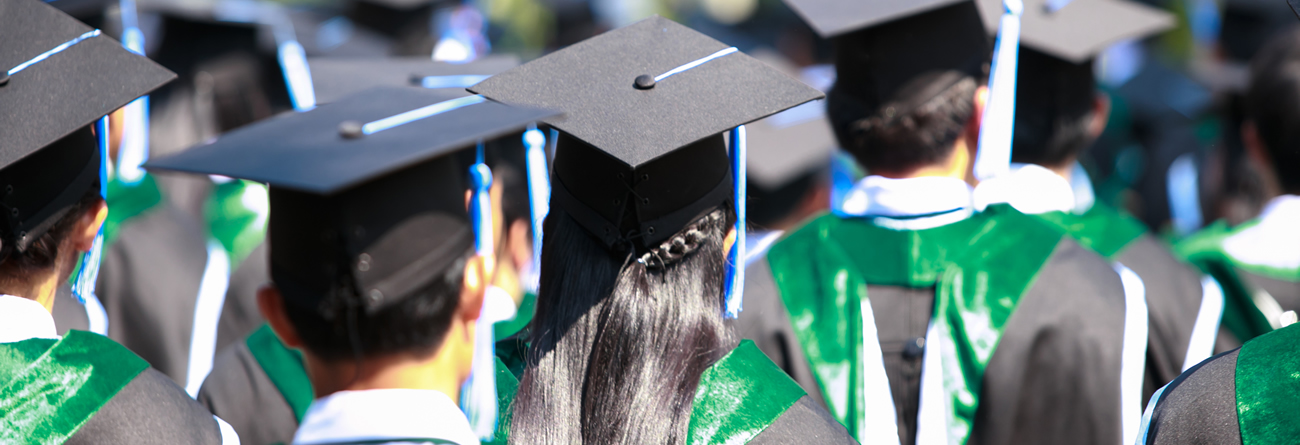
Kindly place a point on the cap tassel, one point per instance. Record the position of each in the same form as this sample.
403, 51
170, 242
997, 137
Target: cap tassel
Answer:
539, 196
478, 396
736, 258
994, 156
135, 127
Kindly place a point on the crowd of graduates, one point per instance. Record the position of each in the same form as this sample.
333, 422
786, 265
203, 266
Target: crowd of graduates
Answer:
649, 221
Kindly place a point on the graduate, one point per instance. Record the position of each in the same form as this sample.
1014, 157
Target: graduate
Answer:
377, 281
1248, 395
1059, 112
255, 379
59, 78
911, 317
1258, 261
629, 343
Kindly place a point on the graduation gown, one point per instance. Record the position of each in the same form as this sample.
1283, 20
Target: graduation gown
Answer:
1184, 306
1249, 395
1060, 312
83, 388
1258, 265
743, 398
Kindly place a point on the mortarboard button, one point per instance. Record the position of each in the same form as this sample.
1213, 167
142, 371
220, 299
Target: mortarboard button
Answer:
350, 130
644, 82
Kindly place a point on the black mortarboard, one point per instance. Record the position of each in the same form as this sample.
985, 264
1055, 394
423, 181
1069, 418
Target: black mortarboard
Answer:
831, 18
57, 76
641, 152
366, 201
1078, 30
334, 78
908, 60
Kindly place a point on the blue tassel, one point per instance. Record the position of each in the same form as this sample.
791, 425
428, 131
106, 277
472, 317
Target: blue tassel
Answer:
736, 258
478, 396
994, 156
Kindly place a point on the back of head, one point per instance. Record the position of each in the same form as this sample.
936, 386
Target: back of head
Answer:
1054, 101
619, 343
905, 89
1273, 104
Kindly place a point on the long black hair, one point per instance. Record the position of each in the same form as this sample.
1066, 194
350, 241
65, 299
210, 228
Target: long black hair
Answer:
619, 343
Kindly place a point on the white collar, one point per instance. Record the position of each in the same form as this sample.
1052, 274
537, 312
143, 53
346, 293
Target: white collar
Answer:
949, 199
23, 319
378, 415
1273, 241
1029, 188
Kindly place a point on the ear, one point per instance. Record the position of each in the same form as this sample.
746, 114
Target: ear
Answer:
519, 243
83, 237
1100, 115
474, 287
1254, 146
116, 121
980, 100
271, 303
729, 241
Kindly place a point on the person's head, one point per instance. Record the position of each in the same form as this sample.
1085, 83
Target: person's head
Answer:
908, 93
620, 339
1271, 132
1058, 110
632, 296
53, 212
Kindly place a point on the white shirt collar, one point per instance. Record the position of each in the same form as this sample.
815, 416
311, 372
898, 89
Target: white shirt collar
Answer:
1029, 188
949, 199
23, 319
1274, 240
384, 415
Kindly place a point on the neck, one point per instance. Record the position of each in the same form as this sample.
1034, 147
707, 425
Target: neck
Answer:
956, 165
443, 371
1065, 169
40, 286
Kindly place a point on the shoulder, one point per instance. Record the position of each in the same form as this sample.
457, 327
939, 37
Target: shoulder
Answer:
804, 422
240, 391
1199, 407
151, 409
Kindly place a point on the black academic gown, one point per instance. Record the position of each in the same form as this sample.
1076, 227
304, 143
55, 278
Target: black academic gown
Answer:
1055, 375
150, 410
148, 284
1199, 407
240, 315
239, 391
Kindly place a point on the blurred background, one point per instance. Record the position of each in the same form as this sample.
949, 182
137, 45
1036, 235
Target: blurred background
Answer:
1171, 154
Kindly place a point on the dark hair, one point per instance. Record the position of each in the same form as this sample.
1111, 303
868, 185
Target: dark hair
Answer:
44, 250
1054, 100
415, 324
1273, 103
618, 343
887, 139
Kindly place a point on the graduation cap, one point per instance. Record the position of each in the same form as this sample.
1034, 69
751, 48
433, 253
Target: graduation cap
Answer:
57, 77
640, 151
899, 53
334, 78
1077, 30
1295, 7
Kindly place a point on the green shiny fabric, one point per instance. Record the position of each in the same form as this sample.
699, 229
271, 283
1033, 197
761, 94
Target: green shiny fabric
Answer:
126, 201
1268, 381
507, 387
740, 396
52, 387
232, 221
284, 367
505, 329
1102, 229
1204, 249
980, 267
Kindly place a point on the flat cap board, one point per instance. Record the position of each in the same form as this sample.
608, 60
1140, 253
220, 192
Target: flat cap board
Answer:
334, 78
68, 90
832, 18
306, 151
593, 83
1082, 28
403, 4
